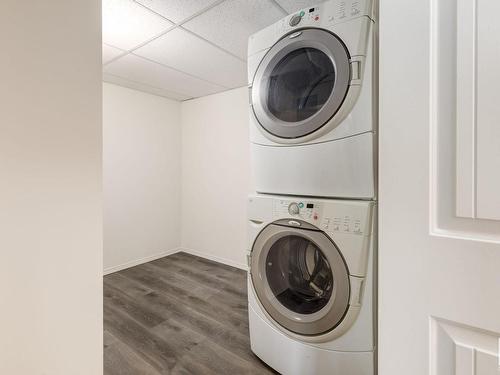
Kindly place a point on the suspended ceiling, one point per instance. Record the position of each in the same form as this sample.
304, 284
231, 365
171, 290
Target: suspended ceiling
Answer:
183, 49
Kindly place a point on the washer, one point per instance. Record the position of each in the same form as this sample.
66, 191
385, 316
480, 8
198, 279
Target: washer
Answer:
312, 102
311, 284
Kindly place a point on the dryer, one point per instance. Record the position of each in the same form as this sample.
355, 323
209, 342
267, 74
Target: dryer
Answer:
313, 102
311, 284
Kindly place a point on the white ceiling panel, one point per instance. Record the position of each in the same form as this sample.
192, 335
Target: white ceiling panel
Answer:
135, 68
109, 53
230, 23
293, 5
126, 24
142, 87
184, 51
177, 10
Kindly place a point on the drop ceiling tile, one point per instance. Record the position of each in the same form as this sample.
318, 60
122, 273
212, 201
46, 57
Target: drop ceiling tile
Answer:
138, 69
141, 87
177, 10
230, 23
126, 24
110, 52
200, 58
293, 5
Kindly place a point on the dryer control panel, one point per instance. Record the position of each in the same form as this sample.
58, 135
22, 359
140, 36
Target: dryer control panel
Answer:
328, 13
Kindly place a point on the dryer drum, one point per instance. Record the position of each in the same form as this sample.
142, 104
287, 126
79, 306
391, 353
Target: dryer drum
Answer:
300, 84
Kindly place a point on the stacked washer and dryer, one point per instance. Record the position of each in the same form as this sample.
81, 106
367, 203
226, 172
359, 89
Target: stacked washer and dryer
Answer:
311, 224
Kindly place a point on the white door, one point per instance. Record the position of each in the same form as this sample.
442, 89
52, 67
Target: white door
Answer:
439, 280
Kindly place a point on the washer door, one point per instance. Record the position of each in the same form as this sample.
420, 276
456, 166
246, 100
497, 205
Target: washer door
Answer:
301, 83
300, 278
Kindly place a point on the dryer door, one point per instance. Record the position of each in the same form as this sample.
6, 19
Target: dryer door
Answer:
301, 83
300, 277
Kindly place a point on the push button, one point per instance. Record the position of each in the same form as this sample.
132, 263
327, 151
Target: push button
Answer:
326, 223
357, 227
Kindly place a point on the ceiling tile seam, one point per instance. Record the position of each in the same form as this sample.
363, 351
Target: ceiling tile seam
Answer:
178, 70
142, 44
194, 15
200, 12
125, 53
215, 93
110, 45
173, 27
179, 24
213, 44
144, 84
154, 12
278, 5
190, 32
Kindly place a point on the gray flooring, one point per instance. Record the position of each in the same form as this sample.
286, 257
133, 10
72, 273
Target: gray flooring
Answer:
177, 315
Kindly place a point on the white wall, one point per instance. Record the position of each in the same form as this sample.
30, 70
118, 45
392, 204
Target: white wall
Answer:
50, 188
216, 175
142, 178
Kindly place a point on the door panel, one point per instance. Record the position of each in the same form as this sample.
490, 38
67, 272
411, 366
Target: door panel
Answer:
465, 129
439, 233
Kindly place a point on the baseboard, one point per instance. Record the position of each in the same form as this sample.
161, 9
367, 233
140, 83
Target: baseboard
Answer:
136, 262
228, 262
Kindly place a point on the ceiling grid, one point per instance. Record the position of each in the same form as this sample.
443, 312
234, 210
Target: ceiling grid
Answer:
183, 49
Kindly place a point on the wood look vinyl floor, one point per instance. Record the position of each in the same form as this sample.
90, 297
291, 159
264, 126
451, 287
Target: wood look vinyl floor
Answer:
178, 315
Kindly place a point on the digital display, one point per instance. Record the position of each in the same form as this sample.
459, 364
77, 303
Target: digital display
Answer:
310, 205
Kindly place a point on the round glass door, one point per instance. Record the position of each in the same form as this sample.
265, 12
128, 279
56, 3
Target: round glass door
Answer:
301, 83
299, 274
300, 278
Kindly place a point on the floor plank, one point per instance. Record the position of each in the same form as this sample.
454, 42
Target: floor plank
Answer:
178, 315
122, 360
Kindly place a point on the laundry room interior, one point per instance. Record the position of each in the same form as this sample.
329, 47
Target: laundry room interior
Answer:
296, 187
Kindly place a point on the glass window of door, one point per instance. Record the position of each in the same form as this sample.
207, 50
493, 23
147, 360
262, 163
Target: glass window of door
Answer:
300, 84
299, 274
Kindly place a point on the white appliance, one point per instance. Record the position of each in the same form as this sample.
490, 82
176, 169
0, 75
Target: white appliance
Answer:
311, 284
312, 102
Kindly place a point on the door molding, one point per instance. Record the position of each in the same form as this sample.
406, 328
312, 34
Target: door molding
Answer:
455, 346
464, 152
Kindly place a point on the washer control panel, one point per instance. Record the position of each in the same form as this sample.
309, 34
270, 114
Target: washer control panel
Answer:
329, 216
298, 209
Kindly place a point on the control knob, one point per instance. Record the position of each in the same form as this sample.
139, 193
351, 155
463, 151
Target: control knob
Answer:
295, 20
293, 208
